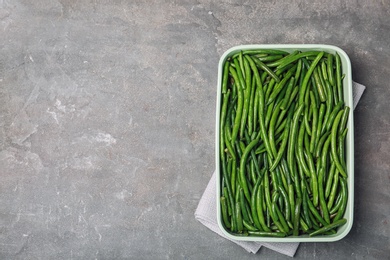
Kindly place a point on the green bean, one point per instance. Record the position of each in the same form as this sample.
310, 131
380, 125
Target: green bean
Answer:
254, 206
319, 126
338, 77
305, 207
325, 154
255, 107
344, 119
268, 115
286, 203
248, 226
263, 51
334, 189
275, 182
247, 93
277, 63
306, 123
314, 180
228, 188
293, 137
304, 226
222, 124
344, 200
271, 131
264, 67
242, 167
289, 90
240, 103
324, 70
283, 222
239, 217
307, 77
224, 212
336, 207
329, 227
291, 59
329, 180
314, 123
226, 196
268, 88
229, 146
332, 115
320, 87
233, 176
333, 144
239, 69
269, 58
225, 76
297, 216
293, 96
261, 105
341, 147
300, 154
314, 211
323, 205
329, 107
251, 107
330, 69
282, 149
242, 205
260, 208
321, 143
278, 88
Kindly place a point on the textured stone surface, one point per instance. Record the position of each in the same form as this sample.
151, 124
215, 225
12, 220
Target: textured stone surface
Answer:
107, 122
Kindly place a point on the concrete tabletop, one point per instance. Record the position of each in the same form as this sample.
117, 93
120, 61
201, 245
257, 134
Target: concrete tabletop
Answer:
107, 112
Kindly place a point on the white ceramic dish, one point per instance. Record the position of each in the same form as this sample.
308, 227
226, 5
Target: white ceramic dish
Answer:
348, 99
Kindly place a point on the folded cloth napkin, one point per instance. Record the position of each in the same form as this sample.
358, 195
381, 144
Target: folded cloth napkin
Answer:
206, 212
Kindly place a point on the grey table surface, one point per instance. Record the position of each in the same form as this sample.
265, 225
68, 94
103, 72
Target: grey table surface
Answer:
107, 112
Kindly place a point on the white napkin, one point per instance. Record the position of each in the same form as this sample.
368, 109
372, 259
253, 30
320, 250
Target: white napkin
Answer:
206, 212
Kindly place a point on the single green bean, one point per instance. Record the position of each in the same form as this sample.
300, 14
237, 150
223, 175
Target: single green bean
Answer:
334, 189
338, 78
242, 167
247, 97
329, 227
225, 212
277, 63
344, 200
333, 144
307, 77
251, 107
260, 208
330, 69
314, 123
225, 76
293, 137
329, 180
288, 60
240, 103
239, 69
271, 131
320, 87
323, 205
264, 67
297, 216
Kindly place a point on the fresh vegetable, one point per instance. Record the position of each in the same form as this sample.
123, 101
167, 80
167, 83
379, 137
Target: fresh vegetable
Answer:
282, 132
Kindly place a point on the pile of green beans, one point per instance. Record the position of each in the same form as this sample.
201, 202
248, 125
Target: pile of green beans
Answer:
283, 125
